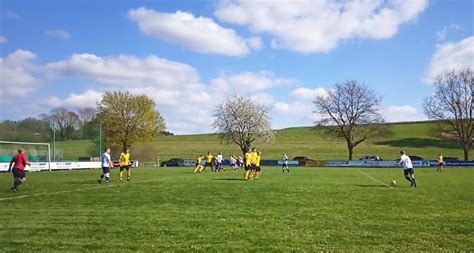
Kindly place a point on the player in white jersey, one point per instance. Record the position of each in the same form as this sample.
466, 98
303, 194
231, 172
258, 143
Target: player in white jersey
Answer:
405, 161
285, 164
219, 159
106, 164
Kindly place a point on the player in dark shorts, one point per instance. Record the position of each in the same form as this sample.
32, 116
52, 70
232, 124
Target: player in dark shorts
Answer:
17, 167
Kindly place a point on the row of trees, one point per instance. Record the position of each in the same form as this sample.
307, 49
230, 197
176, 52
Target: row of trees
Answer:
351, 110
124, 119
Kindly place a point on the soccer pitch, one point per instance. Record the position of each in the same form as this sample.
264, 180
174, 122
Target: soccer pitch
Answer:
171, 209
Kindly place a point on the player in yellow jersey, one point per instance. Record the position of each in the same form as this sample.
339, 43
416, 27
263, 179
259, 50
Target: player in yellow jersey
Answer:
440, 162
248, 164
199, 164
253, 163
125, 164
258, 169
209, 158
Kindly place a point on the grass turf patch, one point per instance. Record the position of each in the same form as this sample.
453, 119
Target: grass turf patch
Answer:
172, 209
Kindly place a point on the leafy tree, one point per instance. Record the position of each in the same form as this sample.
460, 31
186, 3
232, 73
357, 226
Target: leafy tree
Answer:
350, 110
452, 103
242, 121
128, 118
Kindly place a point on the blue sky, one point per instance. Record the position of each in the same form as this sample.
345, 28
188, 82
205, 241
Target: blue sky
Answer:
189, 55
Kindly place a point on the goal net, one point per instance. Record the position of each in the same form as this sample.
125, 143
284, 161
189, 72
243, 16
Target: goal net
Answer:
39, 154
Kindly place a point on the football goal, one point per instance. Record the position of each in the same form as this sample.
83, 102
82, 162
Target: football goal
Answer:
36, 152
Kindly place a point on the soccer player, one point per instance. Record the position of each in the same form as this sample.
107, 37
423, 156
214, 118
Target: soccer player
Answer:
258, 169
440, 162
248, 165
198, 164
209, 158
253, 163
125, 164
106, 165
219, 159
17, 167
285, 164
233, 162
241, 162
407, 168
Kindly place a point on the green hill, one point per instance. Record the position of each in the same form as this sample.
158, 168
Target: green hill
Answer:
415, 138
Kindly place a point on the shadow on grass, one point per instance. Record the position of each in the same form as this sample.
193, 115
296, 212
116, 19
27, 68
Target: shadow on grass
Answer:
229, 179
419, 143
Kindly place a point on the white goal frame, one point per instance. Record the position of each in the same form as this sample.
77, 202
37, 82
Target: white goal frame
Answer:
33, 143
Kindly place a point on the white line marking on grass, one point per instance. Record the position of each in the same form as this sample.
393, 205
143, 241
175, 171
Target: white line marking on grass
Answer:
76, 190
374, 179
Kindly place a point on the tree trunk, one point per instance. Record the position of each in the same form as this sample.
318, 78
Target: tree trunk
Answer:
351, 151
466, 153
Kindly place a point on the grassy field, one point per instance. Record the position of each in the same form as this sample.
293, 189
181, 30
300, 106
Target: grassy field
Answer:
171, 209
415, 138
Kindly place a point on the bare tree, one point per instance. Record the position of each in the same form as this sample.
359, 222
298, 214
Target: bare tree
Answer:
351, 110
452, 103
242, 121
87, 114
62, 120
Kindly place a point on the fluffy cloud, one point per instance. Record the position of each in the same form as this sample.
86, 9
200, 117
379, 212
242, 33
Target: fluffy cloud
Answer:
451, 56
199, 34
319, 26
125, 70
89, 98
16, 74
58, 34
175, 87
308, 94
247, 82
401, 113
3, 40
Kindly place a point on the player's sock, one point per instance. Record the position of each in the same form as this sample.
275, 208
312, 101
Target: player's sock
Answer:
257, 176
247, 173
107, 179
16, 184
414, 181
129, 175
409, 179
120, 175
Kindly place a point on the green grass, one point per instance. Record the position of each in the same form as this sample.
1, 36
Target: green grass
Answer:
171, 209
415, 138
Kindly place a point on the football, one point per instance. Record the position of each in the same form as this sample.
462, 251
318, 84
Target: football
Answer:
393, 183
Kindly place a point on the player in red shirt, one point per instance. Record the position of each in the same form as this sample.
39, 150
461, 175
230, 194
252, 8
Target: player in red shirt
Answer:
17, 166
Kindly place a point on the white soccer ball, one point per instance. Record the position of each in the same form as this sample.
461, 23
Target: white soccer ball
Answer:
393, 183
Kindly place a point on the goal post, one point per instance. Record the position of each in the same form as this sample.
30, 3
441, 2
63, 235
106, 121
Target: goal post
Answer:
36, 152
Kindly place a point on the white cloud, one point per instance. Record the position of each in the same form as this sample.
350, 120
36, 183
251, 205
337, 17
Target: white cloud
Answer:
441, 34
451, 56
175, 87
401, 114
3, 40
247, 82
308, 94
17, 80
58, 34
319, 26
89, 98
297, 113
126, 70
200, 34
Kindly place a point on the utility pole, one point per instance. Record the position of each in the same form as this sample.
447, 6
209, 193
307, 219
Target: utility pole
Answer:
100, 139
